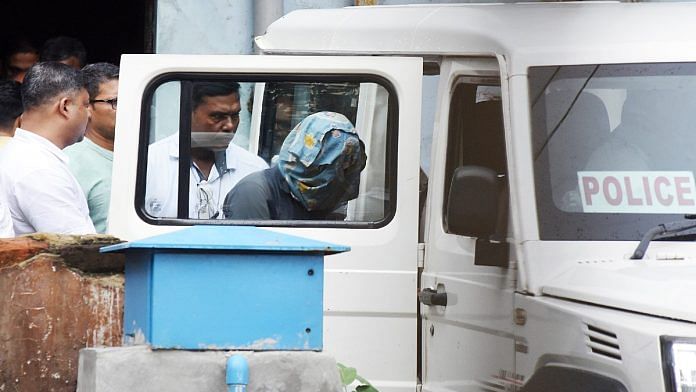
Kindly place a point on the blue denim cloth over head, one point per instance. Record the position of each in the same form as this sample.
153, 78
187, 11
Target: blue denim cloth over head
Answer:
321, 160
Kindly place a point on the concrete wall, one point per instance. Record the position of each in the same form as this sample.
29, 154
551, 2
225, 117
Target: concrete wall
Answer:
140, 369
204, 27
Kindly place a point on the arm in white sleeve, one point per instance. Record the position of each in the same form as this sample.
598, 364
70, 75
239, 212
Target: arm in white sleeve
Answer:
51, 202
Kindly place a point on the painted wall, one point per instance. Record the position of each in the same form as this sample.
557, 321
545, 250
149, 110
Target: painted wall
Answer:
204, 27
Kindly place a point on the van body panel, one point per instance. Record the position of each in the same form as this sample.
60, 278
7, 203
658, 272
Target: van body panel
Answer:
476, 317
525, 33
579, 304
624, 343
369, 296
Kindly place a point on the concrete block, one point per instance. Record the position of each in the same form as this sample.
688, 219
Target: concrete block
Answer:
139, 368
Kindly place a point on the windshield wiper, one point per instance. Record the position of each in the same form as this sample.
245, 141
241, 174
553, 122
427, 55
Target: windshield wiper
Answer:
660, 230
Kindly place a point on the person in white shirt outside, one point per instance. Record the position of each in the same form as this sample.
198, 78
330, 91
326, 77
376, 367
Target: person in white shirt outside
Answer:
41, 193
10, 109
91, 160
6, 228
217, 164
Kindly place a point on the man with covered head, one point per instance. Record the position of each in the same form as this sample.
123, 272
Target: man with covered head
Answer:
318, 170
216, 163
42, 194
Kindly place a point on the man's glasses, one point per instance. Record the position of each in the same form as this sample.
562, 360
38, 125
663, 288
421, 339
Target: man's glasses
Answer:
207, 208
113, 102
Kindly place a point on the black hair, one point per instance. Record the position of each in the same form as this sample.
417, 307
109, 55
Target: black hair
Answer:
212, 89
10, 102
61, 48
47, 80
19, 45
96, 74
15, 46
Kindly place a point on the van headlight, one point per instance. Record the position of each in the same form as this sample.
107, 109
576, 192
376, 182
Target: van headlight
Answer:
679, 363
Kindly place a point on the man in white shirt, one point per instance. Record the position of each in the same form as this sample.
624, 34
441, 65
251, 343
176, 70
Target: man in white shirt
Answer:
6, 229
41, 193
216, 163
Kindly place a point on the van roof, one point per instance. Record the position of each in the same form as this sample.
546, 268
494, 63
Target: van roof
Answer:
525, 34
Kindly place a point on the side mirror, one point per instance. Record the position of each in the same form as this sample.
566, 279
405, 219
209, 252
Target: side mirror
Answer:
472, 207
477, 207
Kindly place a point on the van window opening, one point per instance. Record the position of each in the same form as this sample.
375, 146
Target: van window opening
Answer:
476, 136
258, 117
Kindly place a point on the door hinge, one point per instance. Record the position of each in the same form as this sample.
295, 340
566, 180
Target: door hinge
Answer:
421, 255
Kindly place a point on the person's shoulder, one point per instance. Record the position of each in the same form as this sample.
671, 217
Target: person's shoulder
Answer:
165, 144
254, 186
249, 194
18, 146
255, 180
246, 157
77, 149
20, 157
163, 150
4, 140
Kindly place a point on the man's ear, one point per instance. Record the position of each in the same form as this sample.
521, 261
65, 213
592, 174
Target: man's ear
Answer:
64, 106
18, 122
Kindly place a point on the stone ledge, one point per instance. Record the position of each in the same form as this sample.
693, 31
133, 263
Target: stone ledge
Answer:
48, 311
138, 368
80, 252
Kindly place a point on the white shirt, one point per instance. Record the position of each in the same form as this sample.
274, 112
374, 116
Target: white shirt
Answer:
41, 193
6, 230
161, 194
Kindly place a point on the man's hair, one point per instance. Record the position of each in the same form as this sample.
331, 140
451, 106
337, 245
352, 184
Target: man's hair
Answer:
61, 48
15, 46
96, 74
10, 102
19, 45
47, 80
212, 89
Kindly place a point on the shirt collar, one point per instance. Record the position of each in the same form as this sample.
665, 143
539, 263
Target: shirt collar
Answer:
223, 162
31, 137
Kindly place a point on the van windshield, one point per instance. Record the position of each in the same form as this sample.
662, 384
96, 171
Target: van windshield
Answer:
614, 148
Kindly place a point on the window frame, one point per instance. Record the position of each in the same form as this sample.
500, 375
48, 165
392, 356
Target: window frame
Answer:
391, 162
450, 166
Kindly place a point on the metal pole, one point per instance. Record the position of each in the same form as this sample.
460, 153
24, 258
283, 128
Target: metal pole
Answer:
265, 12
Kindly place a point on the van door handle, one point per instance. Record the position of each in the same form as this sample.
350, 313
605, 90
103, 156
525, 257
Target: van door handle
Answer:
431, 297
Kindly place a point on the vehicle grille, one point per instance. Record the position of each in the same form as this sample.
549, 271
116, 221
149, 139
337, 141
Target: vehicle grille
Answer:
602, 342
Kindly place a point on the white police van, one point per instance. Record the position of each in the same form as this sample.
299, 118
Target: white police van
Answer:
562, 135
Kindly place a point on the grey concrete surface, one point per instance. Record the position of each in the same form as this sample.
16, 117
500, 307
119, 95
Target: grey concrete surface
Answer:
138, 368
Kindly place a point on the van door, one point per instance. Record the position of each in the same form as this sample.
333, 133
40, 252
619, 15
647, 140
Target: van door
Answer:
467, 281
161, 182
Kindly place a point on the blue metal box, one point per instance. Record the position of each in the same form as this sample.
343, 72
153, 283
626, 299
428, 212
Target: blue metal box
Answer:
225, 287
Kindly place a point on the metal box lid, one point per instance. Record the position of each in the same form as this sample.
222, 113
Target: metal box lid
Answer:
229, 238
